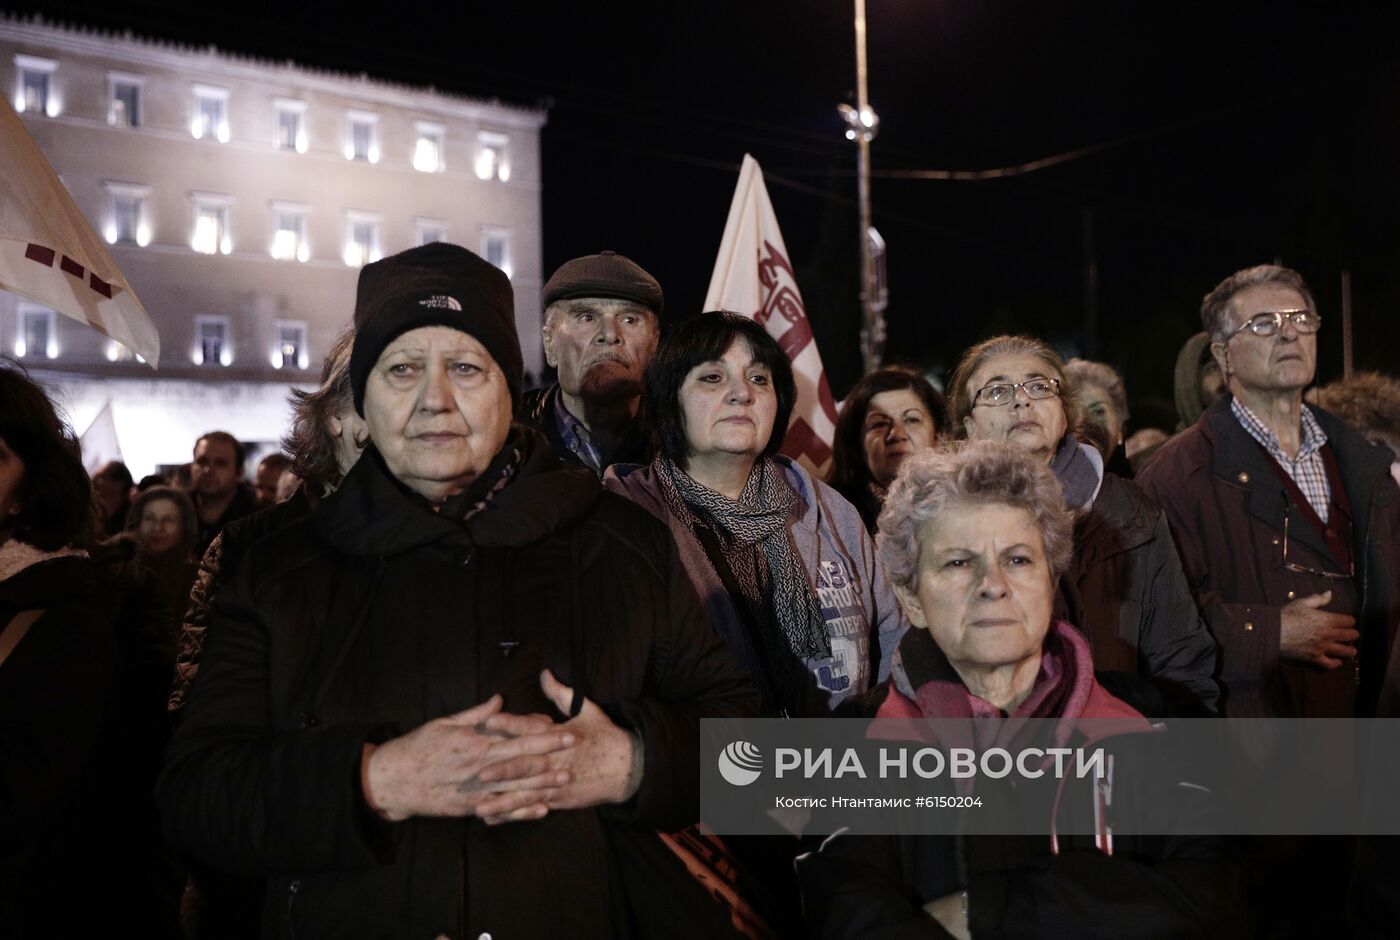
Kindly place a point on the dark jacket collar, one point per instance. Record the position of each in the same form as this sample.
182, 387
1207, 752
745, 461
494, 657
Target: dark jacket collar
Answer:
373, 514
1238, 460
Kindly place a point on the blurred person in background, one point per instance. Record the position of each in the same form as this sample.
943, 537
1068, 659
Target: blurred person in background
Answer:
1100, 397
267, 476
112, 486
1370, 403
889, 414
216, 485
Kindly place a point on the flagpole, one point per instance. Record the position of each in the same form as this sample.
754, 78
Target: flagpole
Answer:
872, 332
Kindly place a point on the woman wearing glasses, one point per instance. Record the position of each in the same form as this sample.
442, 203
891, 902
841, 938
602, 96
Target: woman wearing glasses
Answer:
1124, 588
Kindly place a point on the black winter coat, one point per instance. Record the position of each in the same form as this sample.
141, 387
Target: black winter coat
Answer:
375, 615
56, 689
1126, 592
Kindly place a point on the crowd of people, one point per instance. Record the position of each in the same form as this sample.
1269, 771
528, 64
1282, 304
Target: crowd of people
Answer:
437, 668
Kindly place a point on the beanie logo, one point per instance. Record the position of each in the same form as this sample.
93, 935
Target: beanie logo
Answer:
440, 302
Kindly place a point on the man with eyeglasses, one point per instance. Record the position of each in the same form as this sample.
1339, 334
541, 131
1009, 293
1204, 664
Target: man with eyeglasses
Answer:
1287, 521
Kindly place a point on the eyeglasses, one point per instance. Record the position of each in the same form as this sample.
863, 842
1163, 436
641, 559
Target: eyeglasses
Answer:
1303, 569
1001, 393
1269, 323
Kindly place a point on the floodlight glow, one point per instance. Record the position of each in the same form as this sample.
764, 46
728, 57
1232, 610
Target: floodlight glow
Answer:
425, 155
301, 141
109, 233
206, 235
284, 244
143, 234
223, 133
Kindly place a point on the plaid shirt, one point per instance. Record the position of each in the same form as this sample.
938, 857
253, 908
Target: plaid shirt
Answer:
576, 437
1307, 469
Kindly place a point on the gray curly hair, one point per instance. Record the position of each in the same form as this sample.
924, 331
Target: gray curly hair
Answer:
978, 473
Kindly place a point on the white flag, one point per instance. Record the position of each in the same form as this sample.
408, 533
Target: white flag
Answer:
753, 276
99, 442
50, 254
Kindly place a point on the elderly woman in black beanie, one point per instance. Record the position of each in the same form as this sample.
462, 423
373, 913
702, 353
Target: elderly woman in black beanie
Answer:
468, 632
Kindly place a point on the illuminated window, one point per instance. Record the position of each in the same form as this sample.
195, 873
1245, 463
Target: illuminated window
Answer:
211, 229
211, 345
127, 224
427, 231
427, 149
495, 247
37, 336
289, 232
35, 92
361, 137
492, 160
210, 113
290, 352
361, 238
124, 100
291, 125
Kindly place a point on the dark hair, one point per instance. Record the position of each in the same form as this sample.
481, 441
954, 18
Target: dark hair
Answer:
277, 460
240, 453
117, 471
55, 496
150, 480
848, 469
310, 443
181, 499
1217, 306
694, 342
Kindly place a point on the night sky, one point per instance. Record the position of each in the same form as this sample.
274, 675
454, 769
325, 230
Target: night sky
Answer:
1247, 133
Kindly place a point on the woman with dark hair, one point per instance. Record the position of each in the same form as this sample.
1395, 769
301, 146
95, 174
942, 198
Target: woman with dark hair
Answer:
784, 565
57, 655
162, 523
1124, 588
891, 413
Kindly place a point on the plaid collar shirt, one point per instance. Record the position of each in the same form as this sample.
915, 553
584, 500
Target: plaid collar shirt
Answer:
1307, 469
576, 437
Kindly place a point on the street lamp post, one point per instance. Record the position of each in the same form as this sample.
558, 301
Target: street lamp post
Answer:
861, 126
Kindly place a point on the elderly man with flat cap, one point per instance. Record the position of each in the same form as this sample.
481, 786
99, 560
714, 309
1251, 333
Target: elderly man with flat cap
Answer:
600, 330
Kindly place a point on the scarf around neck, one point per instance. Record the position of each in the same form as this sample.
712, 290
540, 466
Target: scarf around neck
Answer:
1080, 475
752, 534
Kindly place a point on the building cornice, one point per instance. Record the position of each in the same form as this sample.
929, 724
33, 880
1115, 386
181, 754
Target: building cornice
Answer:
212, 62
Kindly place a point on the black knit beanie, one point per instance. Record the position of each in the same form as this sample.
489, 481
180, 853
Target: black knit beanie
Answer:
434, 285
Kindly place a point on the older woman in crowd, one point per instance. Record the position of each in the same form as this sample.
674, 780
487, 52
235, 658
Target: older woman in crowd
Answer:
784, 565
975, 537
162, 524
1101, 401
891, 413
58, 660
1124, 587
467, 632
